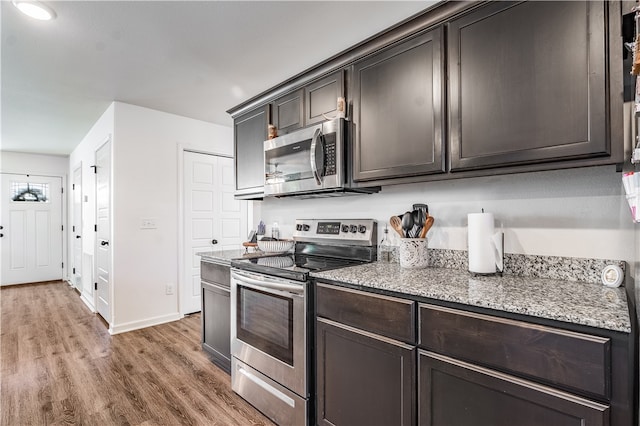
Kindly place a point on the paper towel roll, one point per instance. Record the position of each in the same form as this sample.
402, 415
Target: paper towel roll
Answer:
482, 257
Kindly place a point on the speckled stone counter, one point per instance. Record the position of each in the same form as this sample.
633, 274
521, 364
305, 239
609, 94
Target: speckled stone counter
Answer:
569, 301
225, 257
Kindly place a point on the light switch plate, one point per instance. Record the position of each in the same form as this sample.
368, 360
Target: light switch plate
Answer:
148, 223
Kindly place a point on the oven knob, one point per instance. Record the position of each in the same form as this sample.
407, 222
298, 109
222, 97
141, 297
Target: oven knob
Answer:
362, 229
345, 228
353, 228
305, 227
298, 227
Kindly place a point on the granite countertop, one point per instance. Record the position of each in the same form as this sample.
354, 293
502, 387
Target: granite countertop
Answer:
226, 256
556, 299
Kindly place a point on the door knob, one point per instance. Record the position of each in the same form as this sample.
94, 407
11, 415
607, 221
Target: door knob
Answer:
1, 235
1, 227
214, 241
78, 236
104, 243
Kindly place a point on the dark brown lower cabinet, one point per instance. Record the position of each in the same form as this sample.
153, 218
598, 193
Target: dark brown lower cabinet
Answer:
363, 378
216, 323
453, 392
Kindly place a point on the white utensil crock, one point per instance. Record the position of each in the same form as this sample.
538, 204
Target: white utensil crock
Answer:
414, 253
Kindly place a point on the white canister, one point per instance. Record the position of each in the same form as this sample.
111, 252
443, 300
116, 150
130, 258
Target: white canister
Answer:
414, 253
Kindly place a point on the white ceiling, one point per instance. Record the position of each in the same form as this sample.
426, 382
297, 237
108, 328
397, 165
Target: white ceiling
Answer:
192, 58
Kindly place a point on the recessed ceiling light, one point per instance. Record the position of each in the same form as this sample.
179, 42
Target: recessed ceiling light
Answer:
35, 9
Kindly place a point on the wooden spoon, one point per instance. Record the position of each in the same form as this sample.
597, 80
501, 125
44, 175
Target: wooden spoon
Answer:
396, 223
427, 225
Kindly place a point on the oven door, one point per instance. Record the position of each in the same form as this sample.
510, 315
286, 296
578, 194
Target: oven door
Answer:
269, 327
306, 160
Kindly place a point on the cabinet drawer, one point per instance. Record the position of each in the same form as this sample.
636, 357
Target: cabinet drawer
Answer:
213, 272
384, 315
453, 392
564, 358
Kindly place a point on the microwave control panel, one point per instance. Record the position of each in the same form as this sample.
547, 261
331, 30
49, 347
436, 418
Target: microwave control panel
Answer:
330, 154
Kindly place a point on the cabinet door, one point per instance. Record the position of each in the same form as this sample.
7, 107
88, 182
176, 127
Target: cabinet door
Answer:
453, 392
321, 98
250, 132
527, 84
288, 112
362, 378
216, 324
398, 99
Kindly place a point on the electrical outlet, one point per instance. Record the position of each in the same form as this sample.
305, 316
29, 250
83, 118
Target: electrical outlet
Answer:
169, 289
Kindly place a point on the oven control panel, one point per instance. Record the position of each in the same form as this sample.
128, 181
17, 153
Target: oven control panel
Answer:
343, 231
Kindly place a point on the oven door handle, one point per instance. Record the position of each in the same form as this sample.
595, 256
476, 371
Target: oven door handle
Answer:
267, 285
317, 156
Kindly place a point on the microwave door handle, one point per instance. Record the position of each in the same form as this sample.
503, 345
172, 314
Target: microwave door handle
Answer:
317, 155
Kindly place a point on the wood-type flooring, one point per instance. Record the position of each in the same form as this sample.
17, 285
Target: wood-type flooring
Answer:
60, 366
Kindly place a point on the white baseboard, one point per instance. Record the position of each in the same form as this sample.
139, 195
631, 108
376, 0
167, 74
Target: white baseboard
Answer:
88, 302
149, 322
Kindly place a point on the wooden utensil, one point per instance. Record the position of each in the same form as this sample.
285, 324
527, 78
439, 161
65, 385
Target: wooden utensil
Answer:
427, 225
396, 223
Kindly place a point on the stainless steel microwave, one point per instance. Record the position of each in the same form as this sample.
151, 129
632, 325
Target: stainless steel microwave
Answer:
310, 162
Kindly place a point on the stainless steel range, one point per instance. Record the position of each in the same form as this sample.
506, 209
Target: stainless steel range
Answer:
272, 315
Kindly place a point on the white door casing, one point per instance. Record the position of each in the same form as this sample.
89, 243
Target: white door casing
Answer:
31, 242
103, 232
210, 213
76, 229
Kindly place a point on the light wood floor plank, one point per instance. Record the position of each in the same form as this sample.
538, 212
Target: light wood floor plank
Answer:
60, 366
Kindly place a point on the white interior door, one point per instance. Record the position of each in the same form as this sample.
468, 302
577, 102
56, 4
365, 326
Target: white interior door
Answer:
213, 218
31, 228
76, 229
103, 233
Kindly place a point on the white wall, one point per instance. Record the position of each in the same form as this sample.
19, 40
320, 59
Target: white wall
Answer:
145, 184
575, 213
36, 164
146, 153
84, 156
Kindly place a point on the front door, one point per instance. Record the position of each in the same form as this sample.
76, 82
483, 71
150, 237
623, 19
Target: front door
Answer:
76, 229
213, 218
103, 232
31, 229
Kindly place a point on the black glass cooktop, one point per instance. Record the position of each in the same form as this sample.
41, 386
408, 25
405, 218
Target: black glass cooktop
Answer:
292, 266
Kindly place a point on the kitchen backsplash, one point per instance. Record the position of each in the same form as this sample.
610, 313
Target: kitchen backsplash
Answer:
575, 213
555, 267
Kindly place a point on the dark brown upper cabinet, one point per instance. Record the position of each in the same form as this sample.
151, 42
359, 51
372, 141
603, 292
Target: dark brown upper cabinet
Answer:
527, 84
321, 98
250, 132
288, 112
397, 110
